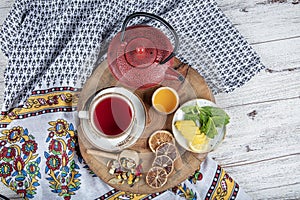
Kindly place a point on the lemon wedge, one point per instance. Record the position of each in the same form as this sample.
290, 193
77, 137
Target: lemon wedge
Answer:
187, 128
199, 143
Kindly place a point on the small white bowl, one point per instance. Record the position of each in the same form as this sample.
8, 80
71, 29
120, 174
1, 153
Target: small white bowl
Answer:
167, 99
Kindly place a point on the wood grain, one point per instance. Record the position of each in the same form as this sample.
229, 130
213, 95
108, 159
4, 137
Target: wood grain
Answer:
259, 22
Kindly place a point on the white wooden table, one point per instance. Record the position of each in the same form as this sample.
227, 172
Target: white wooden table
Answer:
262, 147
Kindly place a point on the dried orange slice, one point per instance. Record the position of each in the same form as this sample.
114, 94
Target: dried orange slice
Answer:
167, 149
165, 162
156, 177
159, 137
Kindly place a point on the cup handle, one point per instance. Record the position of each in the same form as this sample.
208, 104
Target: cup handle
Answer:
83, 114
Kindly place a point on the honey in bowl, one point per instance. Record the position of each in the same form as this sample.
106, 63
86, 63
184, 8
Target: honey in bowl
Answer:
165, 100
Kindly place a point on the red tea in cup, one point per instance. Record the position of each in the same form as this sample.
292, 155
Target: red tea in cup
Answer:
111, 114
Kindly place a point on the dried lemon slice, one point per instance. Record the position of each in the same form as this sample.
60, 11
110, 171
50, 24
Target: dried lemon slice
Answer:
156, 177
167, 149
159, 137
165, 162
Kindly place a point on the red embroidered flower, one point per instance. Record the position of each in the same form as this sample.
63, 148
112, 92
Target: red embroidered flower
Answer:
53, 162
5, 169
71, 144
13, 135
19, 164
65, 192
55, 147
64, 159
8, 154
33, 169
59, 127
29, 146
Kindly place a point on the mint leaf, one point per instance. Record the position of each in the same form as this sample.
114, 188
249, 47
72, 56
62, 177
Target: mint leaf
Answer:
191, 113
209, 118
210, 129
217, 112
214, 110
190, 109
219, 121
203, 118
190, 116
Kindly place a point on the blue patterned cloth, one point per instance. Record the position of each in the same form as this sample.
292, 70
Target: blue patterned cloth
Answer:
55, 43
52, 48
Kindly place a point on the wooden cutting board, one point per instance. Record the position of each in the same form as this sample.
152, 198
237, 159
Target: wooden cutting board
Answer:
193, 87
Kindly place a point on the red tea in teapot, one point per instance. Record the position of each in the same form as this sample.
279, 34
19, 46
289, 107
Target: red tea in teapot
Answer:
112, 115
141, 56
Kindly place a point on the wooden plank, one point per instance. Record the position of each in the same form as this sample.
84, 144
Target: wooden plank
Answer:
257, 22
271, 127
7, 4
274, 179
3, 14
261, 149
263, 22
264, 87
226, 5
264, 162
280, 55
281, 80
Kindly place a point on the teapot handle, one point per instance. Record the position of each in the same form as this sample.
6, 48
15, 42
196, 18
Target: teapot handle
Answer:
172, 74
144, 14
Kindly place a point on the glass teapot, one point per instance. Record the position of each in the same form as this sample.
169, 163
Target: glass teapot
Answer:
141, 56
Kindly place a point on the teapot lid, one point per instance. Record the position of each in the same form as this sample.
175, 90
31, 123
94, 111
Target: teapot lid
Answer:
136, 59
